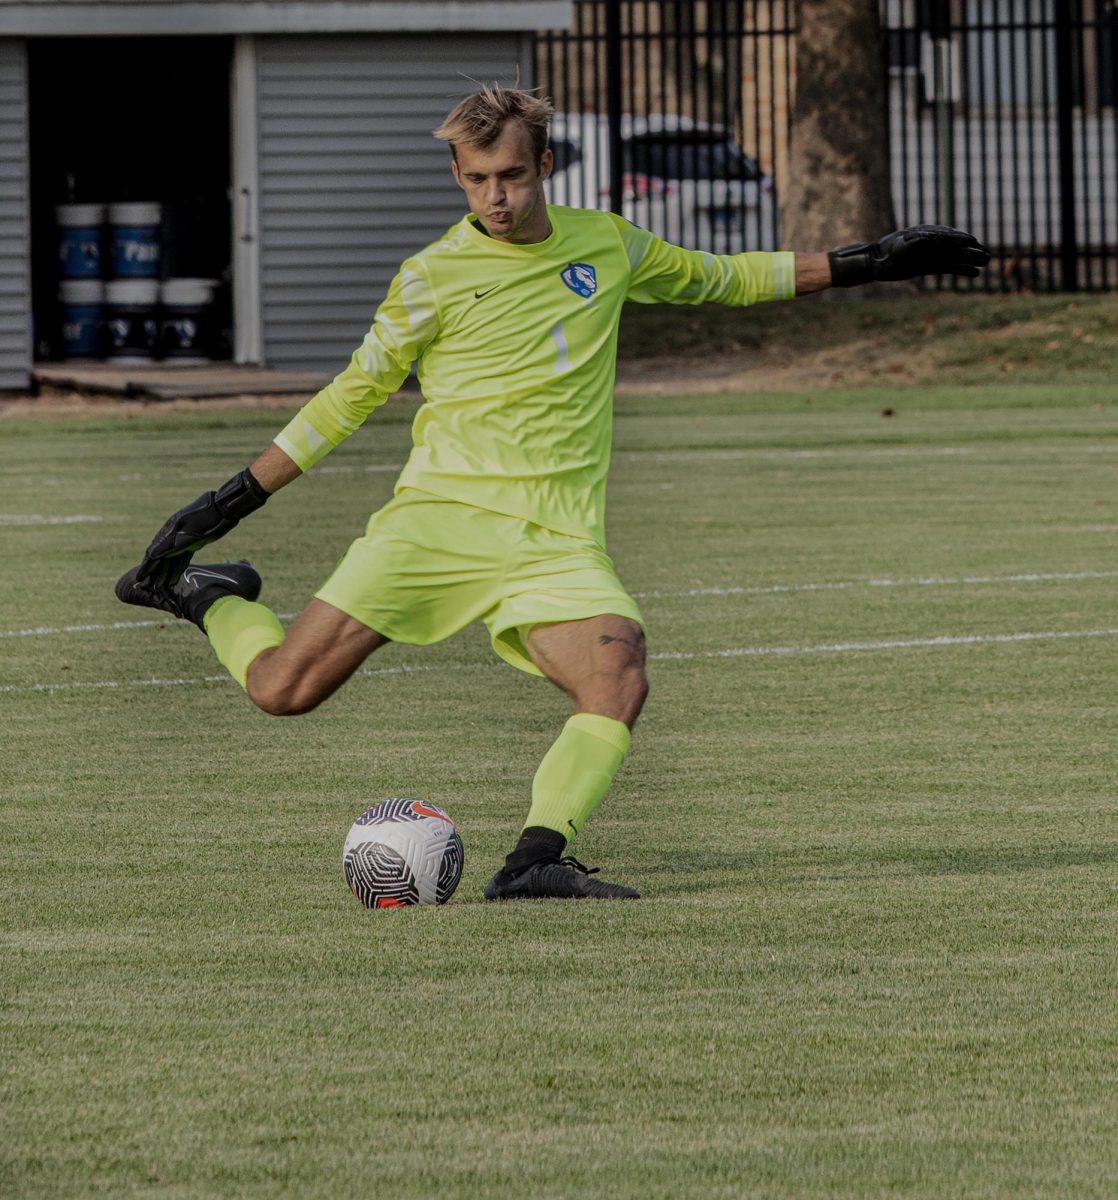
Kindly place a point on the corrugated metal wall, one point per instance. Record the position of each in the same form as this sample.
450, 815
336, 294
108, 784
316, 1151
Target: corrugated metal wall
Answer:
15, 278
351, 181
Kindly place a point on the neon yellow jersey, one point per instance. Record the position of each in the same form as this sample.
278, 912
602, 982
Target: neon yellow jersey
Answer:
516, 349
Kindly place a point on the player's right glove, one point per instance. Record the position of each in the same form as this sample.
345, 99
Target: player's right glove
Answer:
205, 520
919, 250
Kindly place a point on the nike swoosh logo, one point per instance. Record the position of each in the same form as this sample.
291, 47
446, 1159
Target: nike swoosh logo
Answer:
194, 577
417, 806
482, 295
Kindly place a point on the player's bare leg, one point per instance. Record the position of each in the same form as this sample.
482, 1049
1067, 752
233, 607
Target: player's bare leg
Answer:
599, 663
284, 674
321, 651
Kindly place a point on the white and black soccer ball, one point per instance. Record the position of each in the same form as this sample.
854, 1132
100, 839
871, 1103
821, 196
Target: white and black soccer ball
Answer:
402, 852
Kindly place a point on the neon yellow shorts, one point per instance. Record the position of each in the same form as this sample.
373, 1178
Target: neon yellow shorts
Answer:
426, 567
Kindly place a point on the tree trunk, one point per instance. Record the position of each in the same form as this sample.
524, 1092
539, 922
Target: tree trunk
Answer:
839, 191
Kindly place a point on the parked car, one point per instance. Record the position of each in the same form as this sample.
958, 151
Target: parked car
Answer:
687, 181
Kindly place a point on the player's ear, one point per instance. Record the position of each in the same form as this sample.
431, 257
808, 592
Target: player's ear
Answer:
547, 163
456, 172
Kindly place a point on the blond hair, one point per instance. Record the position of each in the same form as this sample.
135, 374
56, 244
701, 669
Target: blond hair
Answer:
480, 119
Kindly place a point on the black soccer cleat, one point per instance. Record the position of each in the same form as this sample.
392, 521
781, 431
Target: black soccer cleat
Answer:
565, 879
198, 587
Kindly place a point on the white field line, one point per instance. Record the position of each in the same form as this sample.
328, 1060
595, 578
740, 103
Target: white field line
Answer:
113, 684
973, 639
976, 639
713, 454
367, 469
48, 630
321, 469
847, 585
760, 590
732, 453
38, 519
688, 455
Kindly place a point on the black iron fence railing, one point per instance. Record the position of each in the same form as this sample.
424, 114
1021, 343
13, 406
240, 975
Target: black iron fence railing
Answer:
1002, 120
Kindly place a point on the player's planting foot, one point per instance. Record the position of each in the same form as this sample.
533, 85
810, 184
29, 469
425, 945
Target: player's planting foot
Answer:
198, 588
565, 879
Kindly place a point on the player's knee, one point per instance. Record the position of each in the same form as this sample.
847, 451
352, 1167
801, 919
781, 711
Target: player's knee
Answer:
630, 685
634, 691
282, 700
624, 696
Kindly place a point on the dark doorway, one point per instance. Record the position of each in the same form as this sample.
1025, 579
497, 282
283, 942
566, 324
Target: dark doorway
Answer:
117, 120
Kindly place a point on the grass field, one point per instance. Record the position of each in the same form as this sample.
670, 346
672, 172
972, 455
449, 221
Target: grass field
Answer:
871, 805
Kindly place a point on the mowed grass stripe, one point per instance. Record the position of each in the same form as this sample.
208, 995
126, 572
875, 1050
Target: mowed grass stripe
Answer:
738, 590
665, 656
876, 951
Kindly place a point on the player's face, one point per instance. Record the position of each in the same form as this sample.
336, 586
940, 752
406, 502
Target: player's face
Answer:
504, 186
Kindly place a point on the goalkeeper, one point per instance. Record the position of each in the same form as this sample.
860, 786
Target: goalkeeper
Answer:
499, 512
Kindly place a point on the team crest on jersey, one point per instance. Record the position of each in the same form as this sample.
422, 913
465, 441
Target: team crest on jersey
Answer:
581, 278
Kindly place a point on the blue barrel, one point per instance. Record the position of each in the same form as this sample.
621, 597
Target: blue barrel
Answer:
79, 240
131, 324
136, 242
81, 317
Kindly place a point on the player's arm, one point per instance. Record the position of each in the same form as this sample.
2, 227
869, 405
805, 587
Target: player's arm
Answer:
813, 273
663, 273
274, 469
404, 325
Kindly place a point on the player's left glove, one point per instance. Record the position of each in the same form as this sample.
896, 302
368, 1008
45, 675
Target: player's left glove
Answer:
205, 520
919, 250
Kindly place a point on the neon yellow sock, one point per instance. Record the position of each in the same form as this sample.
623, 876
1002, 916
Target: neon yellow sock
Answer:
576, 772
239, 630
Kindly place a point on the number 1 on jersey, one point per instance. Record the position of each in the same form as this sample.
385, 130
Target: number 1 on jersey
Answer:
562, 359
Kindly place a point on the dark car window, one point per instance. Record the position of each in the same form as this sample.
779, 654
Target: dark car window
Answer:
567, 154
670, 156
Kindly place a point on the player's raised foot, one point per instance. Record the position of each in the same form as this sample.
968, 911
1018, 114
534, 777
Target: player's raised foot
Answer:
566, 879
198, 588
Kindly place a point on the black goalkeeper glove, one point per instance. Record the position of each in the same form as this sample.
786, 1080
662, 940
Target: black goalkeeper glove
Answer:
208, 518
920, 250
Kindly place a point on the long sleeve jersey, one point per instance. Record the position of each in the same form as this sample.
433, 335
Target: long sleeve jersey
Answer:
516, 347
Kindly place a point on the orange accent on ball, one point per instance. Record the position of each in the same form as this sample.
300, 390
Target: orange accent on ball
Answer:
417, 806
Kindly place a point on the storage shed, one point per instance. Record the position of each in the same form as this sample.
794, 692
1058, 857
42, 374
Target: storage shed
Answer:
287, 145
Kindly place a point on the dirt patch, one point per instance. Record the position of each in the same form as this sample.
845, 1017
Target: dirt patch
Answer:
861, 363
56, 403
782, 348
657, 377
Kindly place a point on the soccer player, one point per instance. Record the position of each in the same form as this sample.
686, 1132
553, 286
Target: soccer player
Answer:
499, 512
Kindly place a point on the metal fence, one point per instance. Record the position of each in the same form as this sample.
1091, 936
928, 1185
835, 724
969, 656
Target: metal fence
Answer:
675, 114
1002, 120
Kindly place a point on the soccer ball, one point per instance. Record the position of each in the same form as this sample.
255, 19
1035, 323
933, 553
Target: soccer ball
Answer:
401, 852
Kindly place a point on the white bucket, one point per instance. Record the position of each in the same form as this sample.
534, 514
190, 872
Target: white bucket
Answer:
132, 291
81, 291
188, 292
135, 213
79, 216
